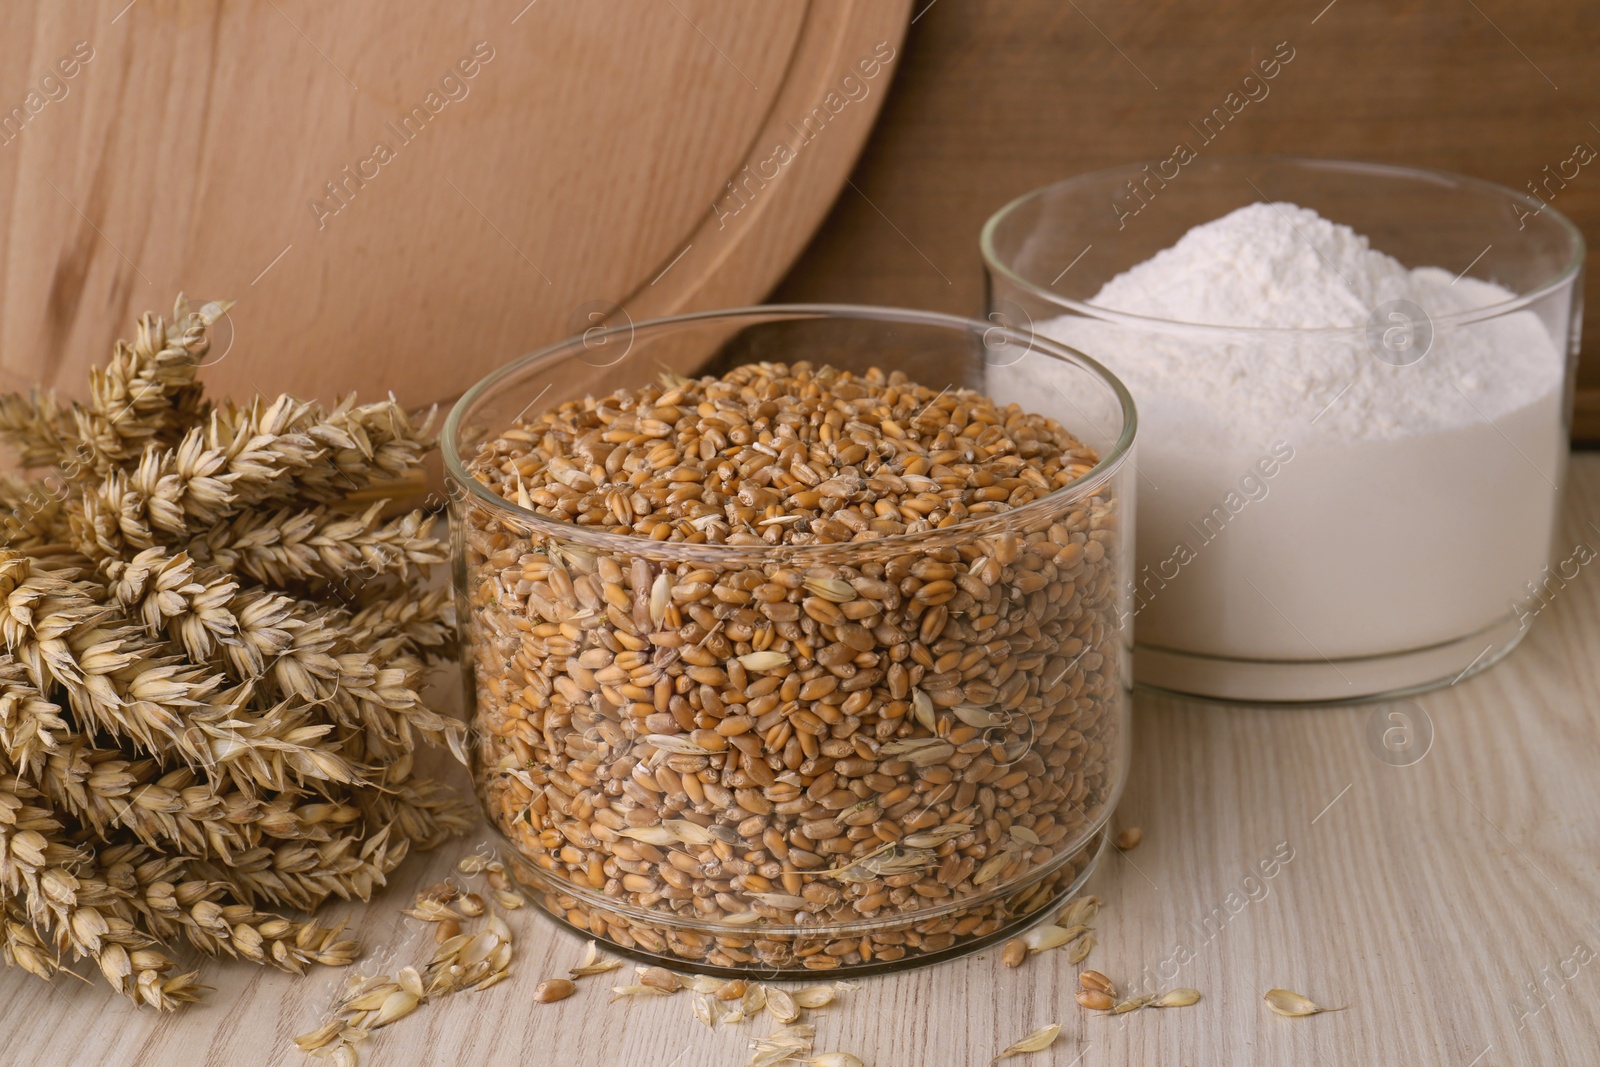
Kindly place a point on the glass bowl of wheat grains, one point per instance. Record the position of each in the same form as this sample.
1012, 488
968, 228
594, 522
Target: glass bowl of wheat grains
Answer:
788, 647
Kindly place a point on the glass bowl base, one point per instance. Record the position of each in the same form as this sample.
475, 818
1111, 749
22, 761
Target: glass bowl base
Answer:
1328, 681
811, 956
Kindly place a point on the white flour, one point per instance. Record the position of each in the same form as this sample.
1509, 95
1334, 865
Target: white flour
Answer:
1298, 497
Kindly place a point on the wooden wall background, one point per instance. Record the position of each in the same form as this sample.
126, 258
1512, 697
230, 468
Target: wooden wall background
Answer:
995, 99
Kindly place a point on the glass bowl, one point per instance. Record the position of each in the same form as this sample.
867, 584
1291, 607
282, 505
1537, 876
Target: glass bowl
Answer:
1380, 524
934, 786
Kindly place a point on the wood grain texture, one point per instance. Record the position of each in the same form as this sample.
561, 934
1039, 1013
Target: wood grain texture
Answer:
1429, 898
995, 100
579, 167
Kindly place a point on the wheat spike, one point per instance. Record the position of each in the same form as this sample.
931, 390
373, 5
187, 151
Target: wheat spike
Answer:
213, 641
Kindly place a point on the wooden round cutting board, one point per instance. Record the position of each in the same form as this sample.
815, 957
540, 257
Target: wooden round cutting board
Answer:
401, 198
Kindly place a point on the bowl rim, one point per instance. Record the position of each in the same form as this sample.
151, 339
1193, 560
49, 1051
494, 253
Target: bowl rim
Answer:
999, 266
1110, 462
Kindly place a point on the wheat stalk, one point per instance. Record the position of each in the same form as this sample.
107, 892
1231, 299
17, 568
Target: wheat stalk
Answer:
212, 646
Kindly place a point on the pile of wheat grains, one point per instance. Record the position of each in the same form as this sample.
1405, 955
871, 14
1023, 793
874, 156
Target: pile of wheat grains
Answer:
790, 681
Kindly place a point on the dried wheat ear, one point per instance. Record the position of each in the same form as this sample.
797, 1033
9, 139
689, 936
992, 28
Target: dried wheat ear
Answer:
214, 642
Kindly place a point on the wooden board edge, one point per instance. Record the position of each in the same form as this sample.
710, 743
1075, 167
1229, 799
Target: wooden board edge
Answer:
745, 245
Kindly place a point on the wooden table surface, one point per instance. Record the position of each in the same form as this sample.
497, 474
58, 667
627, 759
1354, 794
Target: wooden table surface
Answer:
1450, 903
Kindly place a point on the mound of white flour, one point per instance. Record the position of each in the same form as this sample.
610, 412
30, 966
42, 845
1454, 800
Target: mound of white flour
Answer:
1283, 267
1405, 505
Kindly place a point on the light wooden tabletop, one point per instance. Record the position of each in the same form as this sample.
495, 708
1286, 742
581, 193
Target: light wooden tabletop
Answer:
1451, 903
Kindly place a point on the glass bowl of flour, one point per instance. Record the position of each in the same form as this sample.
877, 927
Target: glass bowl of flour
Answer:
1354, 389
